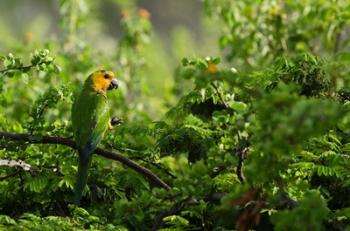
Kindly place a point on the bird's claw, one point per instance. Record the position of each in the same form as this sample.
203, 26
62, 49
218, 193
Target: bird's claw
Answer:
115, 121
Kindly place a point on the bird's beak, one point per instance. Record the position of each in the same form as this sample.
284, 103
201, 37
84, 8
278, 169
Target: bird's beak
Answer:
114, 84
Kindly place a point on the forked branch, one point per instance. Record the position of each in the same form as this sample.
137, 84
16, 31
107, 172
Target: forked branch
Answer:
99, 151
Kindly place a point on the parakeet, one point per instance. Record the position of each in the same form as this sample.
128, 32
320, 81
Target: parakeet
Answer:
90, 119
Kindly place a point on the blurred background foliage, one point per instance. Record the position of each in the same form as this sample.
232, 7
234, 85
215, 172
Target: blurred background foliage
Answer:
242, 107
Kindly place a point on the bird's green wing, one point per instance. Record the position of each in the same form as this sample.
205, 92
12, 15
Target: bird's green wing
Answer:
90, 117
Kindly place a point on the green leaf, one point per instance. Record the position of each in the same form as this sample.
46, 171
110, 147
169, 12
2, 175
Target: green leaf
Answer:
6, 220
238, 106
176, 221
37, 184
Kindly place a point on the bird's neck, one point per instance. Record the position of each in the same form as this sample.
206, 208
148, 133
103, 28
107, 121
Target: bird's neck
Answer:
91, 87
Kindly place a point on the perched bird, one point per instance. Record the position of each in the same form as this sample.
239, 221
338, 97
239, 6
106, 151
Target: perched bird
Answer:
91, 119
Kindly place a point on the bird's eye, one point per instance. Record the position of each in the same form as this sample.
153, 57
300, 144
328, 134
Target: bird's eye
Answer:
106, 76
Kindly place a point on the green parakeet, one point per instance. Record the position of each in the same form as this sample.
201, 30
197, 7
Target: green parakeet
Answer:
91, 119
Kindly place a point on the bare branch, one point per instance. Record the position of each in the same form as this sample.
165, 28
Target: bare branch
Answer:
99, 151
157, 165
16, 163
241, 153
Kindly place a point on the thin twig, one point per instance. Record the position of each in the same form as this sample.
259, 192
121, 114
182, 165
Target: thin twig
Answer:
24, 67
99, 151
159, 166
17, 68
220, 96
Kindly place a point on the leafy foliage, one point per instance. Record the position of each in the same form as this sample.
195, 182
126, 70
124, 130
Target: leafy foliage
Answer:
257, 138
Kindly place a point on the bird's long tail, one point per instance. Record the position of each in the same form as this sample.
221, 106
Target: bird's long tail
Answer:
83, 171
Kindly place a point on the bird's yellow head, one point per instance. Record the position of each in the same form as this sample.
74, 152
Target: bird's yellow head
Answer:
103, 80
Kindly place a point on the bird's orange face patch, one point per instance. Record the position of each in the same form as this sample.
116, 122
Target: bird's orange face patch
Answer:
101, 80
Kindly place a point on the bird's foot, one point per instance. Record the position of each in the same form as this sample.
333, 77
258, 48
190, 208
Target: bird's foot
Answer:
115, 121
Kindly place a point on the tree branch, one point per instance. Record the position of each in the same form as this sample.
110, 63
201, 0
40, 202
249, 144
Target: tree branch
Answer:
157, 165
219, 95
99, 151
16, 163
23, 68
241, 153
